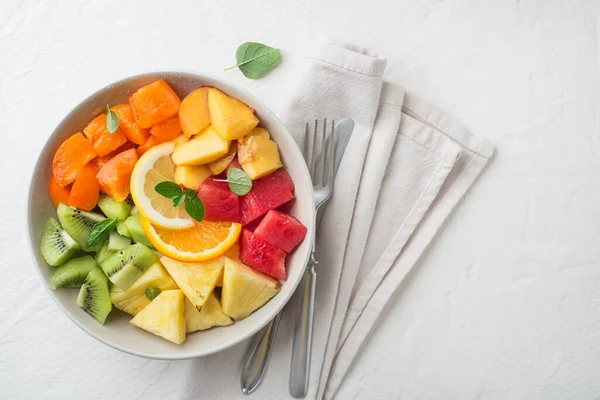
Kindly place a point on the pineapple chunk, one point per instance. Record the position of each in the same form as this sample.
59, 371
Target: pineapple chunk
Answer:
193, 112
216, 167
211, 315
258, 155
258, 131
196, 280
181, 139
231, 118
164, 316
191, 176
201, 149
133, 299
245, 290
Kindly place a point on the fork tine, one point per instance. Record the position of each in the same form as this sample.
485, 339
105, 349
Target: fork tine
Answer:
313, 155
321, 174
305, 146
331, 156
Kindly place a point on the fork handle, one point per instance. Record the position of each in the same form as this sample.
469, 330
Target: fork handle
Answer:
300, 367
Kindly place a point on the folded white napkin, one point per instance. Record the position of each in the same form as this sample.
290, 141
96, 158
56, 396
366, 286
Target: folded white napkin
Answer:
405, 168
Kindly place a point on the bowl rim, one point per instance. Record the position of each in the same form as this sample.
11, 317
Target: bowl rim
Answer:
191, 355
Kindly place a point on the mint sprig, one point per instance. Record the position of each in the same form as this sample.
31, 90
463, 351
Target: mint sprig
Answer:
192, 203
239, 181
101, 230
112, 120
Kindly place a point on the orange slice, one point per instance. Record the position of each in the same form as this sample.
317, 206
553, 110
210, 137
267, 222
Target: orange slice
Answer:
204, 241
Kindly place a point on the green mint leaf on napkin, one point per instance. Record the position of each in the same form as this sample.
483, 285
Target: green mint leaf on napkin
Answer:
112, 120
239, 181
152, 292
195, 207
101, 230
169, 189
255, 59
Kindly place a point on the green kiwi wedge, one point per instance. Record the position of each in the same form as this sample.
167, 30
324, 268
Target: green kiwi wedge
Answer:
94, 295
57, 245
127, 265
72, 274
78, 224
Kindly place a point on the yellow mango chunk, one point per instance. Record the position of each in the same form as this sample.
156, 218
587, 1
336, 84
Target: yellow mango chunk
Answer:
181, 139
202, 149
231, 118
191, 176
193, 112
216, 167
258, 155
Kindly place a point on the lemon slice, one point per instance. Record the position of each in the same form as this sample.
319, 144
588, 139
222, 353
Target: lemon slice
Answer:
154, 167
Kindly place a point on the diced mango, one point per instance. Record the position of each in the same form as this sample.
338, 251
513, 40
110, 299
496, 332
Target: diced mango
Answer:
101, 139
133, 132
220, 165
167, 130
154, 103
258, 131
72, 154
181, 139
193, 112
231, 118
191, 176
258, 154
201, 149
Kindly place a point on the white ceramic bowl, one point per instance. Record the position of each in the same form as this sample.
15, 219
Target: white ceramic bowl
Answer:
117, 332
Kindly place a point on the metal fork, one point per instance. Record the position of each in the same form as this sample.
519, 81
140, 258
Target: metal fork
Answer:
257, 358
322, 179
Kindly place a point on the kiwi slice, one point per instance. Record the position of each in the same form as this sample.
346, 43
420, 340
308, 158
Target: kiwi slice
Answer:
117, 242
134, 226
78, 224
122, 229
57, 245
103, 253
114, 209
127, 265
72, 273
94, 295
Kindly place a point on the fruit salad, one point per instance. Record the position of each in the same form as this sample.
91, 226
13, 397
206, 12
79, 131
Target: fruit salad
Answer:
170, 210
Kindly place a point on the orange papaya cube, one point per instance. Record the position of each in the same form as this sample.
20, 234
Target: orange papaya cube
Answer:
167, 130
85, 191
132, 131
150, 143
193, 113
58, 194
72, 154
114, 176
103, 141
154, 103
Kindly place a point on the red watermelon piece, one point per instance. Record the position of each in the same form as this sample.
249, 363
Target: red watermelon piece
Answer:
220, 203
268, 193
262, 256
281, 230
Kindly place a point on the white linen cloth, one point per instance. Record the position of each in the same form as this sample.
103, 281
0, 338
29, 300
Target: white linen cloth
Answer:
405, 168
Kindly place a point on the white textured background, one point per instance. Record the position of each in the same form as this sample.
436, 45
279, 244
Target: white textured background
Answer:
506, 305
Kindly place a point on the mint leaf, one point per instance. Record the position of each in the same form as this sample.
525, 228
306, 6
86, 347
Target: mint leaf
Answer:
195, 208
179, 199
168, 189
152, 292
255, 59
112, 120
100, 231
239, 181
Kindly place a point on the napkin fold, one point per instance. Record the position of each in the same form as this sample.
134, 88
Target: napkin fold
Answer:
406, 167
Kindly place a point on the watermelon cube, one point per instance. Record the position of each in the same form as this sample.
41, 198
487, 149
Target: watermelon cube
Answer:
220, 203
262, 256
281, 230
267, 193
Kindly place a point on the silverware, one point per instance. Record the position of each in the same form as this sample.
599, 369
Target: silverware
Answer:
322, 177
257, 358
